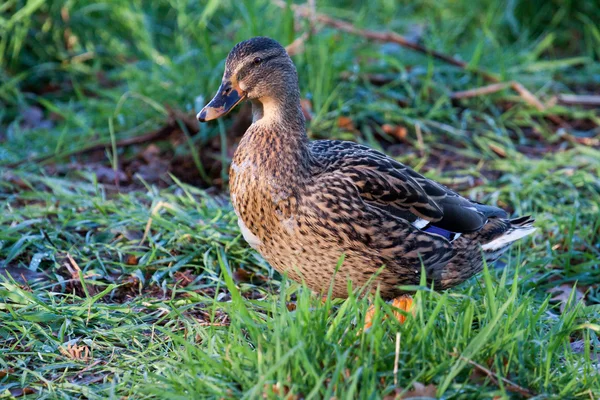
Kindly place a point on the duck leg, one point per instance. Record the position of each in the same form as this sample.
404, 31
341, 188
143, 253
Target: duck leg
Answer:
403, 303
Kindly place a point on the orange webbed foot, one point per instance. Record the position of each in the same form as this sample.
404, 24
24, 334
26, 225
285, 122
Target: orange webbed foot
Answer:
404, 303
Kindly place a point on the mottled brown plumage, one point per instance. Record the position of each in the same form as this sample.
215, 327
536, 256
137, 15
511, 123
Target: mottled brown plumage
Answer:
302, 205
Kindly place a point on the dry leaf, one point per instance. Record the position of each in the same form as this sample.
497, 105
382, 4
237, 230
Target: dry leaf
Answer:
497, 149
151, 153
22, 275
106, 174
241, 275
184, 278
4, 372
131, 260
397, 131
562, 294
419, 391
33, 118
75, 352
578, 347
18, 392
279, 390
346, 123
306, 106
297, 46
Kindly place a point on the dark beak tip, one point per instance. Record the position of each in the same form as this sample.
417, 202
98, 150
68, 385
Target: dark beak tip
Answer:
201, 116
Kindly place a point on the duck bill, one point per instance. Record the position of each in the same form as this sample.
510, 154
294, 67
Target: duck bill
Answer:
225, 100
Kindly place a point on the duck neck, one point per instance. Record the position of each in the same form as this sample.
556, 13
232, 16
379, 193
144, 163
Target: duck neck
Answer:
276, 112
278, 134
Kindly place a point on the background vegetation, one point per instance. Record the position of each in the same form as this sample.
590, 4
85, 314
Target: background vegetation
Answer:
122, 270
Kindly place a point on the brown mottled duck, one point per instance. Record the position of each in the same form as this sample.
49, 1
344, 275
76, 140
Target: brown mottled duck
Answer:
303, 204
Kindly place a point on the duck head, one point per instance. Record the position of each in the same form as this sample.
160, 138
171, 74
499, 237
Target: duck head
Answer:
258, 69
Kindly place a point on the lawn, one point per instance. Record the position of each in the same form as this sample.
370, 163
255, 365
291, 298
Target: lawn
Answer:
123, 273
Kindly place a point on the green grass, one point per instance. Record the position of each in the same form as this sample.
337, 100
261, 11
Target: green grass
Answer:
152, 276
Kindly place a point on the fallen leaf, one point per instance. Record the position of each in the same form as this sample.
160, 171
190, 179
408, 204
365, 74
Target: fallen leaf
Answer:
346, 123
4, 372
297, 46
87, 379
106, 174
419, 391
306, 106
279, 390
241, 275
397, 131
19, 392
183, 278
33, 118
23, 275
75, 352
497, 149
562, 294
131, 260
9, 177
578, 347
151, 153
152, 172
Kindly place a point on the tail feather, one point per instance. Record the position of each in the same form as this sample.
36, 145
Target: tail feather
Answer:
495, 237
506, 233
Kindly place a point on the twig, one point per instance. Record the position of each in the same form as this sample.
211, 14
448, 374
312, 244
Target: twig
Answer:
166, 130
204, 323
396, 358
525, 94
312, 6
586, 141
494, 377
420, 142
75, 270
480, 91
534, 101
579, 99
393, 37
297, 46
155, 210
92, 365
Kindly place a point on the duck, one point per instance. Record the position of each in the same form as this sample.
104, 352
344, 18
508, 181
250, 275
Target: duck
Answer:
326, 212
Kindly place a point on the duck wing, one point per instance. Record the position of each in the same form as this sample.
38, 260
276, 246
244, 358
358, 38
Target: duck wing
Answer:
390, 185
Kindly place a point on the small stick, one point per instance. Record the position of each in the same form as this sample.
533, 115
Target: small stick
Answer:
75, 271
297, 46
420, 142
205, 323
393, 37
525, 94
480, 91
579, 99
396, 358
494, 377
155, 135
312, 6
533, 101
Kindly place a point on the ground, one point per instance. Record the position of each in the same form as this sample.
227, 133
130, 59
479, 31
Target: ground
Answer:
123, 272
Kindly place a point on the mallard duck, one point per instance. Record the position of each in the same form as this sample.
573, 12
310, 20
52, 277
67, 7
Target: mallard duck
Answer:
303, 205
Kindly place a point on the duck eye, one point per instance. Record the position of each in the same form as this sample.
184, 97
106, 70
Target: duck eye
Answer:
257, 60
